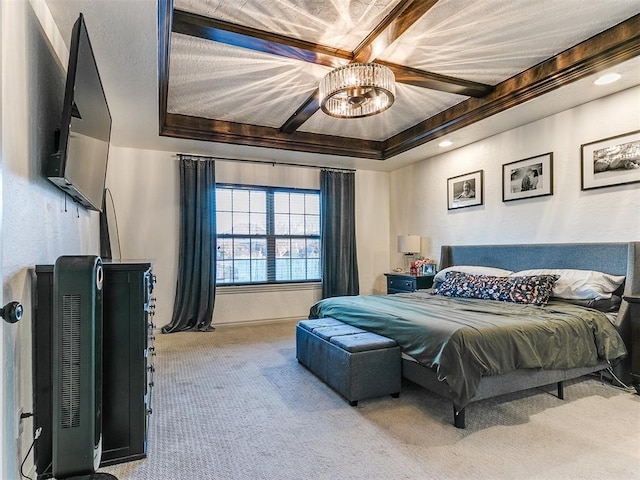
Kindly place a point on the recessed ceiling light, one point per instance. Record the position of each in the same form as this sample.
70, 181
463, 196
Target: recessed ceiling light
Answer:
607, 78
445, 143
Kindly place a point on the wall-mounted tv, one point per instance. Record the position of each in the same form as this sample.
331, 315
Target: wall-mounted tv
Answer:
79, 166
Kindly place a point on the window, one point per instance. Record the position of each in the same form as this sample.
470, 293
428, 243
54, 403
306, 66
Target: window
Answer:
267, 235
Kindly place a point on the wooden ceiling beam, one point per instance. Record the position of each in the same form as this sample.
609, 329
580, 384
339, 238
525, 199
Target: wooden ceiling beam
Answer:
435, 81
258, 40
303, 113
607, 49
211, 130
405, 14
164, 47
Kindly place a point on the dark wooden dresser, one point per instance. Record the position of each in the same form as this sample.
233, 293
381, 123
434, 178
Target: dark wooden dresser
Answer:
128, 368
128, 354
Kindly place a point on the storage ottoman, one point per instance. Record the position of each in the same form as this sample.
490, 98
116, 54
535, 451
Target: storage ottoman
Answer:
356, 363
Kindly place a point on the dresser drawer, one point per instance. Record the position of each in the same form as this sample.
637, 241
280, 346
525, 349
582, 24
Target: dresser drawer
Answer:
398, 283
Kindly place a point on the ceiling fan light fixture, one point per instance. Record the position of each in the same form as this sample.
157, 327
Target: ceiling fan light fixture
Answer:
357, 90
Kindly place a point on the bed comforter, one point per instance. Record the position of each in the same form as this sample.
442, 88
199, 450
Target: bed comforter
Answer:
465, 339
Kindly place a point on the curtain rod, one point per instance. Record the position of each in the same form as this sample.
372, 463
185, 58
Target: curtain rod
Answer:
266, 162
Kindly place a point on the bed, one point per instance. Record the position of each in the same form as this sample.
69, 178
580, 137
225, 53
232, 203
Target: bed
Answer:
456, 368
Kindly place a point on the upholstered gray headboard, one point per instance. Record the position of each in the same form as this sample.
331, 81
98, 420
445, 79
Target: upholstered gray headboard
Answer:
615, 258
603, 257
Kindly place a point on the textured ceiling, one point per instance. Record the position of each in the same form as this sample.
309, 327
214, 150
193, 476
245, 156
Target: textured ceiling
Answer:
241, 90
231, 80
227, 78
490, 41
341, 24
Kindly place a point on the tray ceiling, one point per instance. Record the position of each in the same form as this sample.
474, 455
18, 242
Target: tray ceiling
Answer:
248, 72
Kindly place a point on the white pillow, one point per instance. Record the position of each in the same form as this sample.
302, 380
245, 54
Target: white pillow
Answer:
473, 270
579, 284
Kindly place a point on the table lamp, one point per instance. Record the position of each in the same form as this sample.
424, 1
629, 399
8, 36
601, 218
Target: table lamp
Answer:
409, 245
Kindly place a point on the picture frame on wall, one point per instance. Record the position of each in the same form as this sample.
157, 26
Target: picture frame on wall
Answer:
527, 178
465, 190
611, 161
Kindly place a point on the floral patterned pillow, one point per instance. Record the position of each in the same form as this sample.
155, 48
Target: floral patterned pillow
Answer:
530, 289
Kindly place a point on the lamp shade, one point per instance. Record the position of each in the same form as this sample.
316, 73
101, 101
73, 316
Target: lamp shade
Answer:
409, 243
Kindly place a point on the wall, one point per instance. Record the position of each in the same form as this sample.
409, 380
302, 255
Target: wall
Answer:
372, 227
145, 189
38, 224
144, 186
4, 400
418, 193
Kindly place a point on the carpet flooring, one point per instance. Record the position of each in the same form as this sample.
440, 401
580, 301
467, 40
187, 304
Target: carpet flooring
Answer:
235, 404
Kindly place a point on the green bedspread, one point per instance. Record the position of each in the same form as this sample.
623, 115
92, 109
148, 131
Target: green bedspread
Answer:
464, 339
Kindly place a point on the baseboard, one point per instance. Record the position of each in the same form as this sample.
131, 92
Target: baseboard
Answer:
249, 323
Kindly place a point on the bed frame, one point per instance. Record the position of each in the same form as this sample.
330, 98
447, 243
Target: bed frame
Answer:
613, 258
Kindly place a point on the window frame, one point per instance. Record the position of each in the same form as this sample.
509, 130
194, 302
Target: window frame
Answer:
270, 236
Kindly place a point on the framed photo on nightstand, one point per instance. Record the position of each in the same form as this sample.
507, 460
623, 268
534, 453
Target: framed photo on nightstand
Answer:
428, 269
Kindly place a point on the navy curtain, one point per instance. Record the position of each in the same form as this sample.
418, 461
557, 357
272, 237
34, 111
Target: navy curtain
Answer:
195, 289
339, 259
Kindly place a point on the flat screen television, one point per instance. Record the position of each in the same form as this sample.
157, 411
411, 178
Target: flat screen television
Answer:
79, 166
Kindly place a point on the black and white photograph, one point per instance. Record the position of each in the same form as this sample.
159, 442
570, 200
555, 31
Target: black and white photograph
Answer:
611, 161
465, 190
530, 177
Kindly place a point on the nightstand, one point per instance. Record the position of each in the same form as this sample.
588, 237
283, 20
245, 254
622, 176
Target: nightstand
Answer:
398, 282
